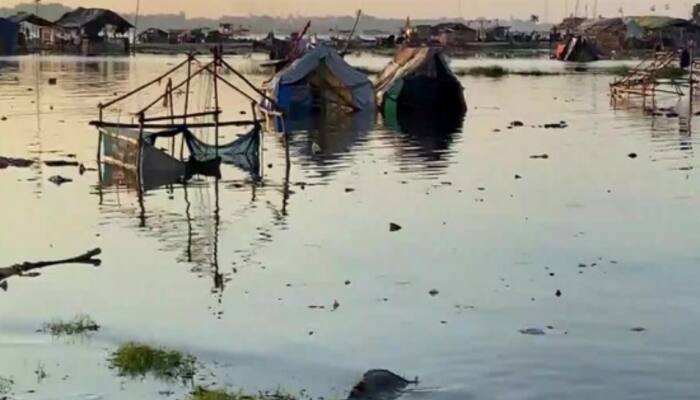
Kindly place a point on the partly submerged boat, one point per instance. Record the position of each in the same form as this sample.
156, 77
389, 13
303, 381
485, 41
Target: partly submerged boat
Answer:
577, 49
420, 79
319, 81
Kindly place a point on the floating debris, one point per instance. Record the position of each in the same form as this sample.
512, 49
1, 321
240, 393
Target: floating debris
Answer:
638, 329
61, 163
3, 118
556, 125
518, 177
393, 227
14, 162
380, 384
53, 81
434, 292
201, 393
349, 190
632, 155
540, 156
532, 332
558, 293
347, 283
517, 124
335, 305
59, 180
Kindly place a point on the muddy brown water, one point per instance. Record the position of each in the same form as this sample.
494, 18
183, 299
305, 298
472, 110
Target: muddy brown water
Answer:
495, 248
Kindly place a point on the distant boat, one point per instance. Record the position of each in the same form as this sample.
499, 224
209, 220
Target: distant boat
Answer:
577, 49
320, 80
419, 79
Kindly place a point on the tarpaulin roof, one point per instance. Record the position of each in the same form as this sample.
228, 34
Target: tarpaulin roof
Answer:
93, 20
595, 26
657, 22
352, 80
8, 36
30, 18
410, 61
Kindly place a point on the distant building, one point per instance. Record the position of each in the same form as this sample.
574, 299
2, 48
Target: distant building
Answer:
36, 33
94, 31
153, 35
497, 34
453, 34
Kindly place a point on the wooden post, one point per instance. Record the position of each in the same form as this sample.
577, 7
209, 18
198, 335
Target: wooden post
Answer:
99, 138
217, 62
139, 173
172, 113
187, 101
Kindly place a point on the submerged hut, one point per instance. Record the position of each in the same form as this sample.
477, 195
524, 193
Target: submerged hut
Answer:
95, 31
419, 79
608, 34
9, 33
317, 81
578, 49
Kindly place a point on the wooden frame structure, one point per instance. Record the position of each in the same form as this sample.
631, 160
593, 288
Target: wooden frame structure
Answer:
175, 121
646, 81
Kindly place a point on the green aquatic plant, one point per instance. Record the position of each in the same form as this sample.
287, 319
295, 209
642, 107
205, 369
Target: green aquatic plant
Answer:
80, 325
619, 70
138, 360
201, 393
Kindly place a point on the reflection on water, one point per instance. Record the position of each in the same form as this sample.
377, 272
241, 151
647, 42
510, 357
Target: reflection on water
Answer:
235, 268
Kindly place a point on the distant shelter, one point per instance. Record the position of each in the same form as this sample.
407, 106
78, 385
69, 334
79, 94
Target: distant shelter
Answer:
153, 35
36, 33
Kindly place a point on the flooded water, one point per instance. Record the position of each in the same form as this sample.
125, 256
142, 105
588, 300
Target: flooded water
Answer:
228, 270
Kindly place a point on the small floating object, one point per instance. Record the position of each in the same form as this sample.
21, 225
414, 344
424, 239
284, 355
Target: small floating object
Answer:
53, 81
517, 124
59, 180
638, 329
632, 155
434, 292
558, 293
540, 156
393, 227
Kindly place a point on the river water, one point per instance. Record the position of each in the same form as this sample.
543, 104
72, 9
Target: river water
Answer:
227, 270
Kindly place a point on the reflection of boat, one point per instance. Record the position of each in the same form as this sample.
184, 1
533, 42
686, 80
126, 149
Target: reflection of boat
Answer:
433, 134
419, 79
317, 81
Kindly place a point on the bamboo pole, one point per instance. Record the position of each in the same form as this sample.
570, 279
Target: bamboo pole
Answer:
217, 62
179, 85
144, 86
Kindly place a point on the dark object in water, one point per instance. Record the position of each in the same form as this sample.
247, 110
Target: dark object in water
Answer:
577, 49
3, 118
380, 384
518, 176
14, 162
556, 125
558, 293
638, 329
52, 81
517, 124
532, 332
59, 180
434, 292
420, 79
540, 156
61, 163
394, 227
632, 155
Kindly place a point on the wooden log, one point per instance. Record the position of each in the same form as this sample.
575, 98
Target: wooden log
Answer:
21, 269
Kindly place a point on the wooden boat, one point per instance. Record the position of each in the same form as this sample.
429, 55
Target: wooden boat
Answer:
419, 79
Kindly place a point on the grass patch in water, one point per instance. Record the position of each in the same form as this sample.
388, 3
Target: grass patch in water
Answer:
493, 71
201, 393
138, 360
80, 325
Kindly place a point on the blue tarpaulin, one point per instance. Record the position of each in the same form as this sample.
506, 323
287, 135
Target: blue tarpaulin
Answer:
8, 37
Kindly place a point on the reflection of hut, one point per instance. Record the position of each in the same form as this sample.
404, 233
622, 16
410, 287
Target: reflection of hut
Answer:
35, 33
8, 37
153, 35
96, 31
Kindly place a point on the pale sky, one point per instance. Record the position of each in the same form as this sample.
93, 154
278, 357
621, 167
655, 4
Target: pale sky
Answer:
553, 9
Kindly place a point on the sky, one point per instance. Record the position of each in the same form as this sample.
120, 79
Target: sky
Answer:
550, 10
